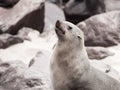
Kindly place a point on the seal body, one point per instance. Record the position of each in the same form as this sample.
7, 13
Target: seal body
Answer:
70, 67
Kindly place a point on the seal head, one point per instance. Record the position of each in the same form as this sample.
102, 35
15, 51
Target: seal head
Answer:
68, 33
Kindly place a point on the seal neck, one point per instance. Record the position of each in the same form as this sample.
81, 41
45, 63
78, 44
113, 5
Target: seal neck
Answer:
68, 53
72, 60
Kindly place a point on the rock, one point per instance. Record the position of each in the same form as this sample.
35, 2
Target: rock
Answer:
98, 52
51, 17
83, 9
30, 15
112, 5
77, 10
59, 3
11, 75
7, 40
8, 3
33, 84
102, 30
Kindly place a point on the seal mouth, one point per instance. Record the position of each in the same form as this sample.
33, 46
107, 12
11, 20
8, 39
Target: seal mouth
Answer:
58, 28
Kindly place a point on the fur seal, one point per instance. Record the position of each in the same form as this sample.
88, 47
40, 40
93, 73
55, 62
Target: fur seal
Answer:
70, 67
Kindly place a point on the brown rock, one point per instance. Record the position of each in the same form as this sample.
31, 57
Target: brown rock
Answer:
11, 75
83, 9
79, 10
98, 52
27, 13
102, 30
112, 5
8, 3
7, 40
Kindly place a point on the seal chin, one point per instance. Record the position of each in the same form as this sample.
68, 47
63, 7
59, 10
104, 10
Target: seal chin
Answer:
58, 29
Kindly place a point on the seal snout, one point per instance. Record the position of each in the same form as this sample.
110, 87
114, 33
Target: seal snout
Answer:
58, 28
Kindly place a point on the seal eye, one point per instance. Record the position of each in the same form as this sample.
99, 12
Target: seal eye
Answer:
69, 28
79, 37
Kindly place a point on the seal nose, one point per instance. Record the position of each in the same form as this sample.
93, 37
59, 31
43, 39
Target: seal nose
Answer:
57, 23
58, 28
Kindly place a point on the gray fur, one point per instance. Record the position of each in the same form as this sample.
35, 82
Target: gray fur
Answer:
70, 67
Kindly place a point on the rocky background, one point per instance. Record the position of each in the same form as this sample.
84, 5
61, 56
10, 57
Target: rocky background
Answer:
27, 38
